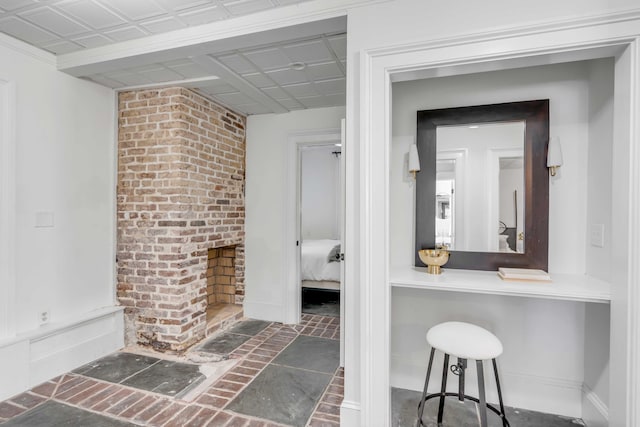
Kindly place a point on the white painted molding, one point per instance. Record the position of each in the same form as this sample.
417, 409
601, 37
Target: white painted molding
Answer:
291, 224
27, 49
34, 357
349, 413
595, 411
593, 37
263, 310
7, 207
189, 83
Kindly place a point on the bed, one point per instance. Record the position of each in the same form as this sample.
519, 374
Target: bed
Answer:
319, 266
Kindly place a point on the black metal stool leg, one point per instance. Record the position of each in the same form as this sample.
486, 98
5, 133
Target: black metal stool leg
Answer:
504, 415
482, 398
424, 391
443, 388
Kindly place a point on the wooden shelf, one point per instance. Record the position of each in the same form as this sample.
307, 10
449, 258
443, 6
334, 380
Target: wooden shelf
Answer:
566, 287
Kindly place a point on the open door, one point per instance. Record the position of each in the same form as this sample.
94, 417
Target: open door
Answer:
342, 220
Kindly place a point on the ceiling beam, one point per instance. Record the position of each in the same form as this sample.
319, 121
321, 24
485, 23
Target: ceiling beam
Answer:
213, 66
305, 19
188, 83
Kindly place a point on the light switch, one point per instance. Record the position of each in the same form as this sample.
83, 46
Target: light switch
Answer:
44, 219
597, 235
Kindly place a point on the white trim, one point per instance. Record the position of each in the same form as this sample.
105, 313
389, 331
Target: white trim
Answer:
291, 251
614, 32
55, 349
27, 49
595, 412
349, 413
189, 83
7, 207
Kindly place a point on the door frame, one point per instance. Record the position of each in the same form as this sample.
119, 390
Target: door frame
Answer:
614, 35
7, 208
296, 142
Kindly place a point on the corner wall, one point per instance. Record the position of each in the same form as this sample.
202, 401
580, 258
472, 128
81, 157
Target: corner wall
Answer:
267, 144
64, 220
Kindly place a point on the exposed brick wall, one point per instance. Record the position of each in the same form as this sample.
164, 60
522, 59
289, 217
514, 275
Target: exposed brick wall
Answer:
181, 162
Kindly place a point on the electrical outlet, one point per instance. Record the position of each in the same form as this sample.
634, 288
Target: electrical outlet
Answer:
43, 317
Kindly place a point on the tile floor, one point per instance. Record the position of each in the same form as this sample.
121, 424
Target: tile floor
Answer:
272, 375
404, 413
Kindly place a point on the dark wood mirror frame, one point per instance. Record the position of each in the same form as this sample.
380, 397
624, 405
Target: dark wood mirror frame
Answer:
535, 114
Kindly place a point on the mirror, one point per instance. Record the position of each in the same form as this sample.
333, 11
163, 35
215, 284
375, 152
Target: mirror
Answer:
483, 188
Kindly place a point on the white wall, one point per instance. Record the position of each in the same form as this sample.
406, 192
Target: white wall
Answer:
267, 144
566, 87
319, 192
64, 166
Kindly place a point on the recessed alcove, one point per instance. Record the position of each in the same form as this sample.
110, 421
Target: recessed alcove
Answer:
548, 360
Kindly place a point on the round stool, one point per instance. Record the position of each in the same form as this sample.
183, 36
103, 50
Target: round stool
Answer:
463, 341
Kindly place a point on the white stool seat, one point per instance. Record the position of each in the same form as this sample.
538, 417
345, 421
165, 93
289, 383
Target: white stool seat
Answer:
464, 340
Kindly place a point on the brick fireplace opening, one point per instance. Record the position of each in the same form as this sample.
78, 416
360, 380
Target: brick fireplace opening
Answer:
181, 160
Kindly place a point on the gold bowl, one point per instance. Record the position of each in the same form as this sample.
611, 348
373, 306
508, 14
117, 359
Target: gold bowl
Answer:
434, 259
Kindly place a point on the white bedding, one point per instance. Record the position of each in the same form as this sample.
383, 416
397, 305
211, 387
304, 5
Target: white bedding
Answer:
314, 263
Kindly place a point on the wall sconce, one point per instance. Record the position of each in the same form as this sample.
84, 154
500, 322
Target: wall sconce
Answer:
414, 160
554, 155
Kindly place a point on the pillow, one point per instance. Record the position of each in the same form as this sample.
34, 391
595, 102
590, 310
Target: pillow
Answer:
334, 254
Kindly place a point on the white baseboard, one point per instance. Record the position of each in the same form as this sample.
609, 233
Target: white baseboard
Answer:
349, 414
263, 311
536, 393
595, 412
37, 356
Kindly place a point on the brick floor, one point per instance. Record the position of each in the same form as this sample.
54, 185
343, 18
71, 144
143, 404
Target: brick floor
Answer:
208, 408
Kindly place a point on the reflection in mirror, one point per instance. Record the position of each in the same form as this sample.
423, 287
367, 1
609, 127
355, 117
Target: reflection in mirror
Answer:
483, 190
479, 174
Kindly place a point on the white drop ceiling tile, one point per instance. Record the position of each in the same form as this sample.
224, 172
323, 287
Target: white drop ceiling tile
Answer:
245, 7
25, 31
329, 70
163, 75
129, 79
218, 88
234, 98
62, 47
252, 109
53, 21
95, 40
339, 45
290, 104
14, 4
105, 81
237, 63
276, 93
268, 59
126, 33
258, 80
308, 52
316, 102
91, 13
136, 9
204, 16
183, 4
301, 90
189, 70
288, 2
288, 76
330, 87
163, 25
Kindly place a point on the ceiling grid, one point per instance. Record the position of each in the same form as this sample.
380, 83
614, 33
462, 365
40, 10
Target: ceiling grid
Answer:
293, 74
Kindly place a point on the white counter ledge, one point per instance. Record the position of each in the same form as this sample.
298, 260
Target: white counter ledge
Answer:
568, 287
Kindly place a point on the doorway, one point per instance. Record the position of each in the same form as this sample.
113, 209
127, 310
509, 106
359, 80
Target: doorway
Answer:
316, 227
